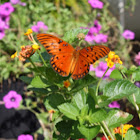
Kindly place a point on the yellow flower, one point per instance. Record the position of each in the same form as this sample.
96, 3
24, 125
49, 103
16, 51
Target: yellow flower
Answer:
29, 31
125, 129
22, 46
51, 111
14, 55
112, 59
35, 47
66, 83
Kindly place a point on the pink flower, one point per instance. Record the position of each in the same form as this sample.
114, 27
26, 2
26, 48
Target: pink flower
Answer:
14, 2
2, 33
137, 59
12, 99
89, 37
100, 38
97, 26
3, 24
114, 104
25, 137
96, 4
127, 34
6, 9
40, 27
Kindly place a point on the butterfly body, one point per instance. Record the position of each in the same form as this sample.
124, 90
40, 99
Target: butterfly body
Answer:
66, 60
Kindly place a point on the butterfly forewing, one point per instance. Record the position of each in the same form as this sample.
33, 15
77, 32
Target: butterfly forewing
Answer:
54, 45
93, 53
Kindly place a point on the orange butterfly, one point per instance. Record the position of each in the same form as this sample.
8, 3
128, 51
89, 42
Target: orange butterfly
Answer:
65, 59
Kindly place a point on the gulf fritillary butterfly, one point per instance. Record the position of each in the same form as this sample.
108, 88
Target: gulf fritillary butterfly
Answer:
66, 60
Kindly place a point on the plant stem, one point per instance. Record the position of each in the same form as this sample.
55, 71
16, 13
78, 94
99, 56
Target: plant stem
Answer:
32, 63
35, 67
123, 75
107, 129
96, 93
42, 58
104, 132
136, 106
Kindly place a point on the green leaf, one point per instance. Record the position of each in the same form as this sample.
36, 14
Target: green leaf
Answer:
115, 74
71, 36
69, 110
115, 118
53, 100
64, 128
36, 58
26, 79
39, 82
80, 84
45, 91
79, 99
136, 75
130, 135
98, 116
89, 132
135, 98
103, 101
118, 89
53, 77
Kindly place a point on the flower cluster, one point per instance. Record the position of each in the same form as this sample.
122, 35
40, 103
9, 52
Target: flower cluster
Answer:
123, 129
137, 59
12, 99
39, 27
94, 34
29, 50
96, 4
112, 59
5, 11
100, 70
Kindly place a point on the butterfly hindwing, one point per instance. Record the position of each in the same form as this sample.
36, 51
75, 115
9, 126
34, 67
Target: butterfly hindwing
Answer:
61, 63
81, 68
93, 53
54, 45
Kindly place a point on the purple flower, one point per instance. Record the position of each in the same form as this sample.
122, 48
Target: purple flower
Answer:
5, 18
100, 38
6, 9
89, 37
40, 27
3, 24
96, 4
127, 34
100, 70
25, 137
14, 2
97, 26
114, 104
12, 99
2, 33
137, 84
137, 59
